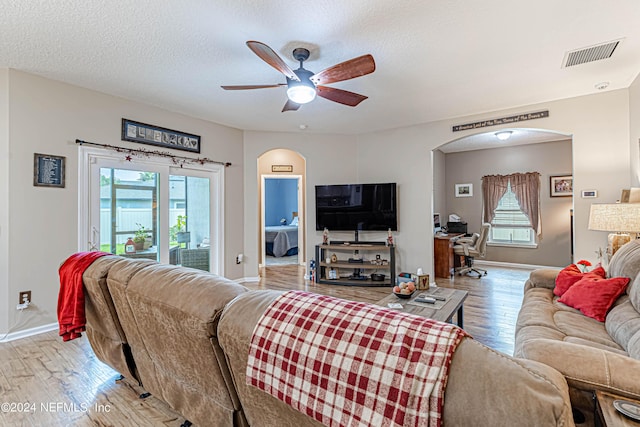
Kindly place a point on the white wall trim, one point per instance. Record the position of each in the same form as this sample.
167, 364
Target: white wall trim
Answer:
30, 332
247, 279
513, 265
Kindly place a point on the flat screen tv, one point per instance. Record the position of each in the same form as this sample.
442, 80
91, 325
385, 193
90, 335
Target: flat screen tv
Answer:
354, 207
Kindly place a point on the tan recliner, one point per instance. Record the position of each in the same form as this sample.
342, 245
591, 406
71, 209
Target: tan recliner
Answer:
470, 248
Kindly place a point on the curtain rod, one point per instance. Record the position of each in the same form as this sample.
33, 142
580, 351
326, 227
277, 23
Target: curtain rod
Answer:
181, 160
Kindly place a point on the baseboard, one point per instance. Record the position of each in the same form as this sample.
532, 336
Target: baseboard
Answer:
247, 279
30, 332
512, 265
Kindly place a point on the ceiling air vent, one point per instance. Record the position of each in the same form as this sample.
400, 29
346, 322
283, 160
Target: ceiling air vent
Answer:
590, 54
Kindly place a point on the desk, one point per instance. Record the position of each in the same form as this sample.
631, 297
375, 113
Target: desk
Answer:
443, 255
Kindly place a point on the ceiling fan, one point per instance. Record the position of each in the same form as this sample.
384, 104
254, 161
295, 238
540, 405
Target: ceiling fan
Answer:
303, 85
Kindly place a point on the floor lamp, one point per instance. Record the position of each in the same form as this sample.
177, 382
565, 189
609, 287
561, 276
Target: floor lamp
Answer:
619, 218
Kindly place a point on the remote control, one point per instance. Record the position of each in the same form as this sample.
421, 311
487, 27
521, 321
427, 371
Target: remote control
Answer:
439, 298
428, 300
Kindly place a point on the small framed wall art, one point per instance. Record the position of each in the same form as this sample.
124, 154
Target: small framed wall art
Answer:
589, 194
464, 190
159, 136
48, 171
561, 186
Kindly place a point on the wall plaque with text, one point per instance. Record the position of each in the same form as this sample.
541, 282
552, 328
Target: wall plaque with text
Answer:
502, 120
48, 171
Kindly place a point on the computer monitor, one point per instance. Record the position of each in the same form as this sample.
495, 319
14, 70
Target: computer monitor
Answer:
436, 223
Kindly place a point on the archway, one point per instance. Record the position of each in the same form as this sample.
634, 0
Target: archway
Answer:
465, 160
282, 225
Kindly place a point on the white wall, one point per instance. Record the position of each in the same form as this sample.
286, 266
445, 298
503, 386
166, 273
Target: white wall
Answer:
46, 117
4, 200
634, 121
600, 128
599, 125
41, 115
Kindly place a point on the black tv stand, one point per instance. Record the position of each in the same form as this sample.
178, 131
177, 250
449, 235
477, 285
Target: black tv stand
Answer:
361, 271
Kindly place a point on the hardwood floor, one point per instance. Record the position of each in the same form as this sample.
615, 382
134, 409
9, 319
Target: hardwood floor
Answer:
47, 382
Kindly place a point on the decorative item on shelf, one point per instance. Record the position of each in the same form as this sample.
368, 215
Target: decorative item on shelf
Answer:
334, 258
283, 221
325, 236
389, 238
333, 274
129, 247
618, 218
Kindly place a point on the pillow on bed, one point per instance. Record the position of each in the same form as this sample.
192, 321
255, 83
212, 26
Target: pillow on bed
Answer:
294, 221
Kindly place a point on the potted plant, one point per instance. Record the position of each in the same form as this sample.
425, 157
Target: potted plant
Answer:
180, 230
142, 238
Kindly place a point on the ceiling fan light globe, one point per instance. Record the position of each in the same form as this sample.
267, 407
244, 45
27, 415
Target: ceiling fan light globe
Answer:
301, 94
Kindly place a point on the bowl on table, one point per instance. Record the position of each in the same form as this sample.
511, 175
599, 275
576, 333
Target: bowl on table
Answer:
403, 296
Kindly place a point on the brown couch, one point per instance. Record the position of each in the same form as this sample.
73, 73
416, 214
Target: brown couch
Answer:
184, 334
592, 355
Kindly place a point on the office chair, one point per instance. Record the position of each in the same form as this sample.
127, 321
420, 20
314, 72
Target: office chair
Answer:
470, 248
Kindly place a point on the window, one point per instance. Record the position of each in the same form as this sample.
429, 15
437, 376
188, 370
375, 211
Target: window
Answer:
510, 224
511, 204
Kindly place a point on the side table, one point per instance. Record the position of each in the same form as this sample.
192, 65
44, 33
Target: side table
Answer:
607, 415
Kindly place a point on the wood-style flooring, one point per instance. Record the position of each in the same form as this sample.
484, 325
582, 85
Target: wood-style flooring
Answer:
47, 382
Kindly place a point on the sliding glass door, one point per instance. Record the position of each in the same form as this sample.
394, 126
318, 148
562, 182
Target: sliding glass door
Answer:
150, 209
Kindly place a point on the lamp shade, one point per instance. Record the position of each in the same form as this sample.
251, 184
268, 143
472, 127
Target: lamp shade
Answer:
617, 217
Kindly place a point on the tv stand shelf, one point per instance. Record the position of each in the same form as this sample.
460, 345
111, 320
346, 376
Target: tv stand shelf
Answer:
345, 251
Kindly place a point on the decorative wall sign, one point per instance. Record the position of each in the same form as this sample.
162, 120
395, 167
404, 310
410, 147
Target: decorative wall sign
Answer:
589, 194
561, 186
48, 171
162, 137
281, 168
502, 120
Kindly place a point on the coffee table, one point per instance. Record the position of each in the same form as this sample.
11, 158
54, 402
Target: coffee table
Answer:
440, 310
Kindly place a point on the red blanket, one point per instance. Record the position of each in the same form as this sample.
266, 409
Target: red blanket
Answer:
347, 363
71, 296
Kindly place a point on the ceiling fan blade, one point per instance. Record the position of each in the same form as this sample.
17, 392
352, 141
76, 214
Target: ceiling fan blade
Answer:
270, 57
244, 87
341, 96
290, 106
350, 69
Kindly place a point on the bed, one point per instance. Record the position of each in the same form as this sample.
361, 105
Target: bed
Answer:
281, 240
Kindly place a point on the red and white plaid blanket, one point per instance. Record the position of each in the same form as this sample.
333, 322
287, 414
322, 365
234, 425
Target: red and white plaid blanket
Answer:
347, 363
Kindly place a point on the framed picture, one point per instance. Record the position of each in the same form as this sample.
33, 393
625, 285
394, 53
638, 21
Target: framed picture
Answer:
159, 136
48, 171
589, 194
464, 190
561, 186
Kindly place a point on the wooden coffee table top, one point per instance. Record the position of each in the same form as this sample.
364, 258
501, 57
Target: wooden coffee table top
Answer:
441, 310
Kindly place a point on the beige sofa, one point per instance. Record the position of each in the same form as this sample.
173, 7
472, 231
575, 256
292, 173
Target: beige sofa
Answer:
592, 355
184, 335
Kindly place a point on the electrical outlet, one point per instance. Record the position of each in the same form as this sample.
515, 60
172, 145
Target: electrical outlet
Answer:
25, 297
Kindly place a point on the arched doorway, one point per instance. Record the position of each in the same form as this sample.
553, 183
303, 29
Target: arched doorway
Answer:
282, 223
465, 160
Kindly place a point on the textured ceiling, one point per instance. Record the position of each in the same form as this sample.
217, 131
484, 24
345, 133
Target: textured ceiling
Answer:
435, 59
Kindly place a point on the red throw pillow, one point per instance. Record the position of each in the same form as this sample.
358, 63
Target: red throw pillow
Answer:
569, 275
594, 296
